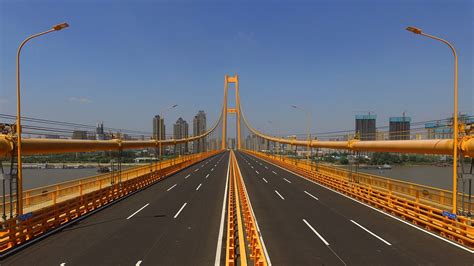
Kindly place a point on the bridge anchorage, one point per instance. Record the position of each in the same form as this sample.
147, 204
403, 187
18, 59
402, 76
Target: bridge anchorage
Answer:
259, 203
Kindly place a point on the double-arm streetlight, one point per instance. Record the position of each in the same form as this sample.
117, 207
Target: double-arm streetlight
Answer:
455, 118
308, 128
160, 125
57, 27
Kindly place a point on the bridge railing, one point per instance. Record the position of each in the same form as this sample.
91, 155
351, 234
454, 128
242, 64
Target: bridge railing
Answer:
435, 197
45, 196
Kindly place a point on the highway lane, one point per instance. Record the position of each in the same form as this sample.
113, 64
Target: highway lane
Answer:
354, 233
175, 221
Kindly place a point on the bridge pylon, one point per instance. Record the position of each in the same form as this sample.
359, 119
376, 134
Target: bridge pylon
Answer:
236, 110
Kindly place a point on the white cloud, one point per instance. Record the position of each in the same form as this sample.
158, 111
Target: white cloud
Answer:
81, 100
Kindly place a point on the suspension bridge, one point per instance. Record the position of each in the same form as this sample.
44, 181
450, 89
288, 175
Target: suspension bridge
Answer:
234, 207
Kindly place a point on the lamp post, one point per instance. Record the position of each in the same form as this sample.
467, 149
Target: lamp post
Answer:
308, 128
57, 27
455, 133
159, 127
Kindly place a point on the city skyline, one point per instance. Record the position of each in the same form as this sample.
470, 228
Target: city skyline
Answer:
379, 57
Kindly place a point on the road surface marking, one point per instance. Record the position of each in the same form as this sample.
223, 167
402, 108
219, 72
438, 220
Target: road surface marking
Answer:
202, 165
212, 169
198, 187
266, 167
377, 210
307, 193
138, 211
207, 175
251, 166
184, 205
265, 180
287, 180
257, 172
186, 177
171, 187
196, 170
217, 261
138, 263
316, 232
274, 172
279, 195
62, 264
367, 230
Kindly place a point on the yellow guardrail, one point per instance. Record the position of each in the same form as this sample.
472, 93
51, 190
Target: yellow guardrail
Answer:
254, 242
435, 197
45, 196
431, 218
70, 202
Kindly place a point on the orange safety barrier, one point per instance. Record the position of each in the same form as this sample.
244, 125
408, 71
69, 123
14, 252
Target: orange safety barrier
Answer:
435, 197
253, 235
423, 215
40, 221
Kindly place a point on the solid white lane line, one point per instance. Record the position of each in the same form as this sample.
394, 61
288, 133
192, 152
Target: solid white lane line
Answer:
171, 187
287, 180
367, 230
138, 211
186, 177
217, 261
316, 232
380, 211
265, 180
207, 175
138, 263
279, 195
198, 186
184, 205
274, 172
307, 193
257, 172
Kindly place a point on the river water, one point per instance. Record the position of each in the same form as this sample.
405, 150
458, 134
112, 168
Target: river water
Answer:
434, 176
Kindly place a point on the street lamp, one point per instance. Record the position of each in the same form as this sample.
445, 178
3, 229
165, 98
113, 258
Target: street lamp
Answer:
159, 127
308, 128
19, 205
455, 134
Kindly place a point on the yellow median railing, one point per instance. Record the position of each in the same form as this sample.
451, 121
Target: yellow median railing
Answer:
52, 206
429, 217
245, 216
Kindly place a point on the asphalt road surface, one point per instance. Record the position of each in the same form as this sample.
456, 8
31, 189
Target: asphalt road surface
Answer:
178, 221
174, 222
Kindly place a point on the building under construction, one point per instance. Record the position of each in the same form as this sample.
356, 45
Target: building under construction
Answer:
365, 126
399, 128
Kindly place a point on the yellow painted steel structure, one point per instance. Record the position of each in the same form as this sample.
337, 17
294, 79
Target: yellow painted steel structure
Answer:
225, 110
240, 213
417, 212
428, 146
50, 146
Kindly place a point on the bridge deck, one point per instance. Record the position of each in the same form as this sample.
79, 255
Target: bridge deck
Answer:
177, 221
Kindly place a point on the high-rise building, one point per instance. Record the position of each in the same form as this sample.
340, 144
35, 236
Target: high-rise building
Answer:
99, 131
199, 127
159, 130
399, 128
181, 131
365, 126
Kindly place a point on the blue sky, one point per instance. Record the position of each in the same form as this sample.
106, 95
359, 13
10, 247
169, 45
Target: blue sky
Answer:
122, 61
